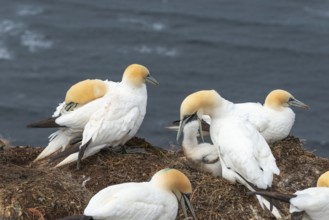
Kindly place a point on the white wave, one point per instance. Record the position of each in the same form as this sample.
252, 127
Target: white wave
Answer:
10, 27
5, 54
160, 50
35, 41
26, 10
156, 26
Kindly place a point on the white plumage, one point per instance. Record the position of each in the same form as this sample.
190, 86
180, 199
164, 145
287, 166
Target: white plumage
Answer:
204, 155
154, 200
313, 201
115, 122
244, 150
101, 113
72, 122
132, 201
244, 154
274, 119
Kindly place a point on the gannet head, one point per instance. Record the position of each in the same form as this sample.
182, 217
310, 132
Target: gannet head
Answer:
136, 75
198, 103
85, 91
323, 180
280, 98
175, 181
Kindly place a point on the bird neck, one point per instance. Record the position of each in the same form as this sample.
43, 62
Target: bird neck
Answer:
221, 110
128, 84
190, 134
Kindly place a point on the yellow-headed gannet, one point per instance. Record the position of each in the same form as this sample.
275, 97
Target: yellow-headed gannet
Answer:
274, 119
311, 203
101, 113
153, 200
244, 154
204, 155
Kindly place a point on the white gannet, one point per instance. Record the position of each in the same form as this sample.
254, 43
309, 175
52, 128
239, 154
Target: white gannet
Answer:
204, 155
244, 154
274, 119
101, 113
311, 203
156, 199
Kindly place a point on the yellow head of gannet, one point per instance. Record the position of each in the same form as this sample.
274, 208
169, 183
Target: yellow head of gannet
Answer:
323, 180
280, 98
88, 90
175, 181
135, 75
198, 103
84, 92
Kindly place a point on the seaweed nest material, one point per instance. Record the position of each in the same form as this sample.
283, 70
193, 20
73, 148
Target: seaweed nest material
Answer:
29, 191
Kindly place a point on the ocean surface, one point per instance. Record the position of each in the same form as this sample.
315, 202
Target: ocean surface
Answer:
243, 49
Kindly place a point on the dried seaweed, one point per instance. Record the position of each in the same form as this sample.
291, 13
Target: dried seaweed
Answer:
29, 191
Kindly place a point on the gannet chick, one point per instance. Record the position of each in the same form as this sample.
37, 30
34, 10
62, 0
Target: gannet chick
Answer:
203, 155
244, 154
311, 203
274, 119
153, 200
101, 113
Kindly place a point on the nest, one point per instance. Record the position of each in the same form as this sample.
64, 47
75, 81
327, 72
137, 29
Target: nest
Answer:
33, 192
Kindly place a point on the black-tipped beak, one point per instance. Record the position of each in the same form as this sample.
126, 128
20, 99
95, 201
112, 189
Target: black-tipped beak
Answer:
185, 202
183, 122
297, 103
150, 79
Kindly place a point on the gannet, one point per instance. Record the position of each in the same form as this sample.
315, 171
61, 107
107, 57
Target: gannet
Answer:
244, 154
204, 155
156, 199
274, 119
98, 113
311, 203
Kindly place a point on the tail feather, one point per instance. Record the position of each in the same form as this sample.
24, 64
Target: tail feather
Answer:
275, 195
68, 151
91, 150
297, 215
59, 140
77, 217
69, 159
272, 205
45, 123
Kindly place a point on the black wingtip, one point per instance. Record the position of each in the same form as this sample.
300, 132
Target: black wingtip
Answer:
71, 149
297, 215
44, 123
76, 217
275, 195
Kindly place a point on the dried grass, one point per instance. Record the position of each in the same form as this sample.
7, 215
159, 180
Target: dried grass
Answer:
32, 192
